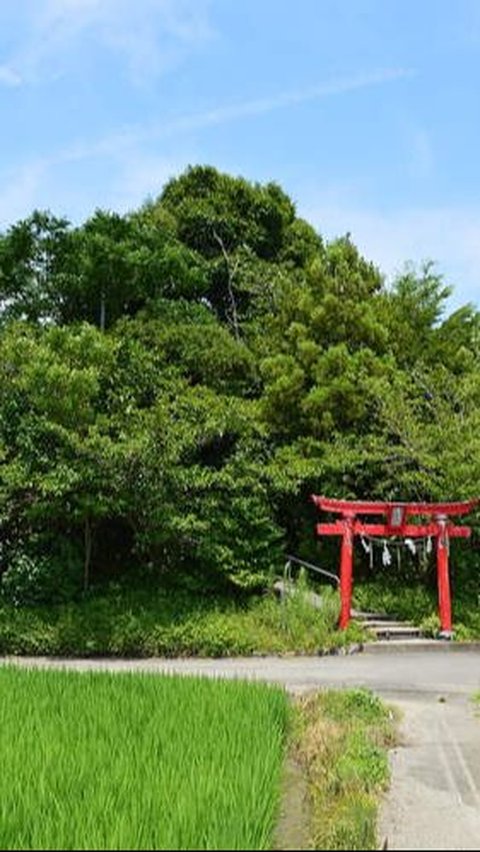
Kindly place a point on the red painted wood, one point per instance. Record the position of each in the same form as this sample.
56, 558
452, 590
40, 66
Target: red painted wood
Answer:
406, 530
410, 530
328, 504
384, 530
365, 507
337, 528
346, 574
443, 574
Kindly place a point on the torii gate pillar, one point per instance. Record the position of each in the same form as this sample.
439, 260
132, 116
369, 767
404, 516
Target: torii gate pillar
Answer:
443, 576
346, 572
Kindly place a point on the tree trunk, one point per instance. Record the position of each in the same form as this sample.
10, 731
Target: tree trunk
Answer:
230, 283
88, 555
103, 312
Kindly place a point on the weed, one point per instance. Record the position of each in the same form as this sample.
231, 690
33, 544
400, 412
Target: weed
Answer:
145, 623
342, 740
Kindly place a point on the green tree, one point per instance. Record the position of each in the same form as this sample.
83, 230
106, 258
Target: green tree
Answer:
31, 256
175, 382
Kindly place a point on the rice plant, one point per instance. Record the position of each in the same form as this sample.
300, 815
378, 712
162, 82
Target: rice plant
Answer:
101, 761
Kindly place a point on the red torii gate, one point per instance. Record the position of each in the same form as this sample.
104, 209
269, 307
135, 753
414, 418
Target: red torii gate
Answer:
396, 523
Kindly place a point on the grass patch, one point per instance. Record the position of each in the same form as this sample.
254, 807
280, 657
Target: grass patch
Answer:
408, 603
342, 741
145, 623
98, 761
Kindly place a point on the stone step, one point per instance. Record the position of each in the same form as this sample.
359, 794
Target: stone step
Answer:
398, 632
387, 627
380, 624
358, 615
410, 646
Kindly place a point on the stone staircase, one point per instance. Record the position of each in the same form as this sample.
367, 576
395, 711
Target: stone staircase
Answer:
386, 627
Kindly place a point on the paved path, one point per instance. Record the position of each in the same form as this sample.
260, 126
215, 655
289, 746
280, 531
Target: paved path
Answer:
424, 673
434, 801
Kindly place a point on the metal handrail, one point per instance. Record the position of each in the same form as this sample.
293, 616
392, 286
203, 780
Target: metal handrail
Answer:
310, 567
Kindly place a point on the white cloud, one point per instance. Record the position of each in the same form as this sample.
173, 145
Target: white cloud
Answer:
9, 77
142, 176
138, 174
21, 192
149, 35
448, 235
337, 86
136, 135
422, 160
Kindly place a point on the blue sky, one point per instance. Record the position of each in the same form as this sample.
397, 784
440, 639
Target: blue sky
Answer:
366, 111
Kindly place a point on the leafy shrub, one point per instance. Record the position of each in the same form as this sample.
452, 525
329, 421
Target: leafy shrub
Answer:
360, 704
408, 602
431, 626
33, 579
147, 623
363, 762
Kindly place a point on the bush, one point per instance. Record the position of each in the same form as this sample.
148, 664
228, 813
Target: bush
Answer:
431, 626
33, 579
146, 623
406, 602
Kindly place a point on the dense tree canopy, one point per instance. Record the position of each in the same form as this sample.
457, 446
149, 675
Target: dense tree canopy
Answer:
174, 383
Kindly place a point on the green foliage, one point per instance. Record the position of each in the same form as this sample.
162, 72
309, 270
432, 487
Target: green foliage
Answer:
110, 267
410, 603
33, 578
31, 255
209, 206
87, 441
416, 308
342, 742
101, 762
175, 382
431, 626
467, 619
358, 704
171, 623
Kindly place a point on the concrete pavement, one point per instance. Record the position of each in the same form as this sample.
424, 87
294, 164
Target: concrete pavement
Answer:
434, 798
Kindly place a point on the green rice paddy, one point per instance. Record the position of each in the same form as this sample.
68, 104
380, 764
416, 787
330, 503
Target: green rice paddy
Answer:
98, 761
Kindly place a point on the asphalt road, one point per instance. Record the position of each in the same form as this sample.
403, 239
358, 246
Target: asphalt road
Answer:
434, 800
419, 673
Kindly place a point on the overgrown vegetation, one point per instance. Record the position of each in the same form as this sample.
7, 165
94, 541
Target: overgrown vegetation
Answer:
138, 762
175, 382
342, 742
143, 623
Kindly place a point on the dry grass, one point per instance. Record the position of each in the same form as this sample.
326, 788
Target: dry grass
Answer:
342, 741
